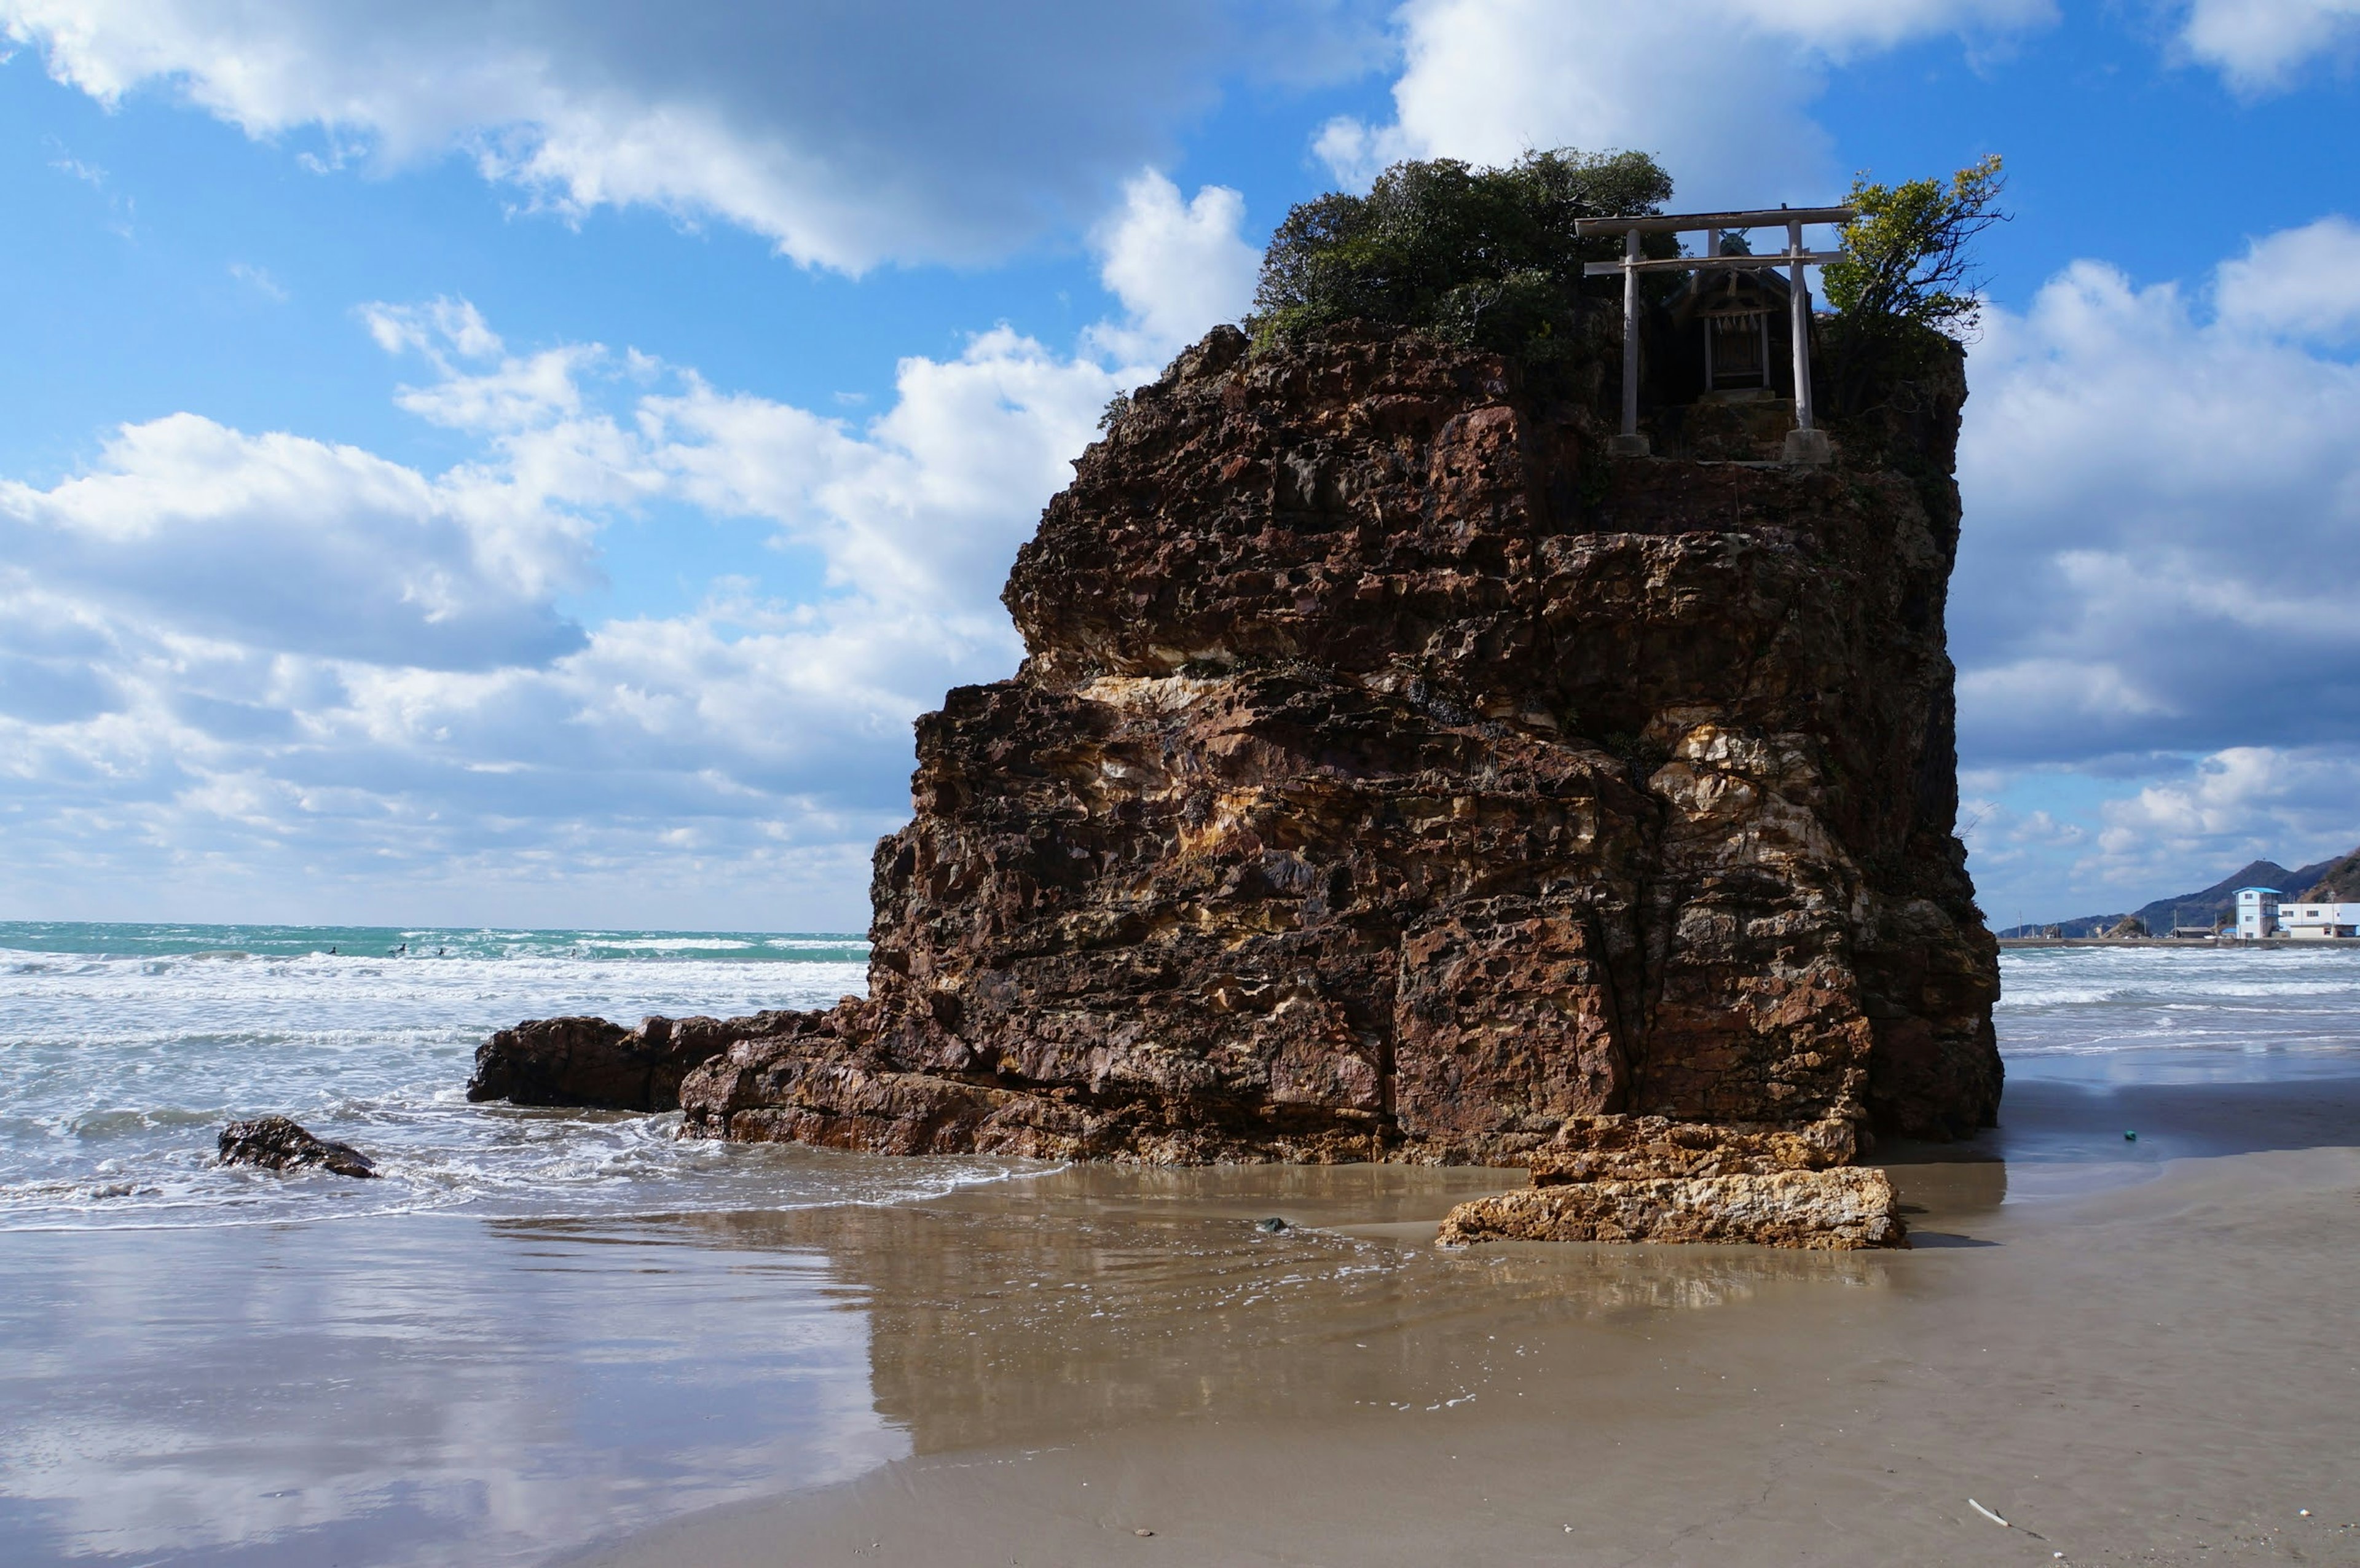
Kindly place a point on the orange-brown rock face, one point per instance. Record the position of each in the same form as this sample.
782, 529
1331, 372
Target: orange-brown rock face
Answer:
1395, 775
1831, 1211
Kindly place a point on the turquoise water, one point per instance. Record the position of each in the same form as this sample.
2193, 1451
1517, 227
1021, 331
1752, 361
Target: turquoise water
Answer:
124, 1049
172, 941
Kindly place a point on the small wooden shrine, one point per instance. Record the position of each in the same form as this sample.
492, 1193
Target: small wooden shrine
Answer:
1737, 329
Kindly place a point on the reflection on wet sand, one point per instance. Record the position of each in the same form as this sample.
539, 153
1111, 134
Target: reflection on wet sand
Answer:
1089, 1298
404, 1391
385, 1391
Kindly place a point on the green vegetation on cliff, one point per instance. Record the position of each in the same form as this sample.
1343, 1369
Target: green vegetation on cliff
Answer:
1910, 260
1482, 256
1489, 256
2338, 884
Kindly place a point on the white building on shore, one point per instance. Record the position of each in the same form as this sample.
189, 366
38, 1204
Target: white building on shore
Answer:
2319, 921
2266, 912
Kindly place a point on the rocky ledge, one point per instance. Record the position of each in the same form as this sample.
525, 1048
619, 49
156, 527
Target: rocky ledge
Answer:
1396, 775
1834, 1211
590, 1061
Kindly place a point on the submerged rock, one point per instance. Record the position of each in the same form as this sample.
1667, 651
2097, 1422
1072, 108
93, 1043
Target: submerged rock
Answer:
278, 1143
1396, 773
1837, 1210
591, 1062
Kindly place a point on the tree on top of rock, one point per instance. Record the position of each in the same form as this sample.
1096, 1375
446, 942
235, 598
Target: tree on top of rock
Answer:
1484, 257
1909, 255
1908, 291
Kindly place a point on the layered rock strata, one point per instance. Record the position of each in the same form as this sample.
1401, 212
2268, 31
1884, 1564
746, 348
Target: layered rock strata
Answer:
1396, 775
1835, 1211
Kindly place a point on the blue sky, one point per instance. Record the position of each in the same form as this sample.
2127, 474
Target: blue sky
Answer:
532, 469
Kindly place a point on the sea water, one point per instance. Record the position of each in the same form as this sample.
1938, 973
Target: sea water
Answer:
124, 1049
2192, 1014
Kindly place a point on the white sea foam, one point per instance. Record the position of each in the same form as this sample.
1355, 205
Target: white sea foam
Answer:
118, 1068
2095, 1001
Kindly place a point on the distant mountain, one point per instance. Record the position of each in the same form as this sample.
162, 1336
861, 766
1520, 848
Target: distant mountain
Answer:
2206, 906
2340, 883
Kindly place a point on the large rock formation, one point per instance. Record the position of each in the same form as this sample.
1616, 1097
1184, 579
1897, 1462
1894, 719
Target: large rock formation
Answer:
1395, 775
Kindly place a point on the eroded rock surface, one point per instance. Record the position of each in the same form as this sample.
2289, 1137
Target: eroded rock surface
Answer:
592, 1063
1840, 1211
1587, 1148
1396, 775
278, 1143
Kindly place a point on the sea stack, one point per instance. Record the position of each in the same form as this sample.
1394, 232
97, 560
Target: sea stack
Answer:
1398, 774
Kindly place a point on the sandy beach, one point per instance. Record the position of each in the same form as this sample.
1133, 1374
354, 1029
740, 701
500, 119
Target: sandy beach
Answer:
2132, 1352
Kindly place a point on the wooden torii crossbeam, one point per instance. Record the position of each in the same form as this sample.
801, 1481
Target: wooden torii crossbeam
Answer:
1805, 444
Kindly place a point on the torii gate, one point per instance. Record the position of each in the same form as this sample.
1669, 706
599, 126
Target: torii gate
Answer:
1805, 442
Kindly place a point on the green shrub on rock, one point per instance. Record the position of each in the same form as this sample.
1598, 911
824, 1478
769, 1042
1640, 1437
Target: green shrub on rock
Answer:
1483, 256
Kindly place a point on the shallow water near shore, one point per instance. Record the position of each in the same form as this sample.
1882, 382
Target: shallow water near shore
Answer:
596, 1329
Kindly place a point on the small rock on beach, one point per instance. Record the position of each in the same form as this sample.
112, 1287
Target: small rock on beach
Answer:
278, 1143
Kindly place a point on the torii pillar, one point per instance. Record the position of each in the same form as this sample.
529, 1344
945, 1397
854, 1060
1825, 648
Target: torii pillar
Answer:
1806, 443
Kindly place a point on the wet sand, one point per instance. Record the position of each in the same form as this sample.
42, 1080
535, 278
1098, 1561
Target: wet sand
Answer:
2135, 1352
2139, 1352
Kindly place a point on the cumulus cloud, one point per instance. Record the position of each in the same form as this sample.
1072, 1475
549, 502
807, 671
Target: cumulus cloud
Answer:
296, 546
916, 508
2302, 284
2260, 46
1179, 268
847, 135
241, 666
1719, 90
2163, 505
2172, 834
2105, 844
2239, 804
2162, 508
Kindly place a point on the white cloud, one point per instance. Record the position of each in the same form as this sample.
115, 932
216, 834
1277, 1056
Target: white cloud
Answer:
2260, 45
2298, 283
443, 330
259, 669
2149, 615
2162, 512
290, 545
2051, 844
847, 135
1718, 90
90, 174
2239, 804
259, 279
1180, 268
926, 507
